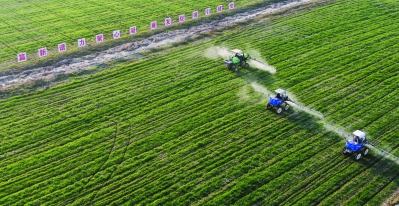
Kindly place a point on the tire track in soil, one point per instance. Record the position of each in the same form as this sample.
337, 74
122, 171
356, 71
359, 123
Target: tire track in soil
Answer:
105, 161
126, 143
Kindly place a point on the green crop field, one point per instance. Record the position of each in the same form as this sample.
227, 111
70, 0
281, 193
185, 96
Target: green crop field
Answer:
178, 128
26, 26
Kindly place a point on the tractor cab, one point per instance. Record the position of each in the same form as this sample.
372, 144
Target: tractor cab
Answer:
281, 94
357, 145
359, 137
238, 52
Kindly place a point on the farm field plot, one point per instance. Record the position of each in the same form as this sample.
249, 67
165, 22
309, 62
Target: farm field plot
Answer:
26, 26
179, 129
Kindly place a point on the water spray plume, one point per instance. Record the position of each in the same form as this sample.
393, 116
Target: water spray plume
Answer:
215, 52
307, 110
262, 66
338, 130
243, 93
258, 62
261, 89
295, 104
384, 154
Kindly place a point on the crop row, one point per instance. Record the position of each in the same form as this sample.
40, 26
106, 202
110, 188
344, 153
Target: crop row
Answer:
29, 27
213, 139
147, 138
116, 34
136, 108
66, 153
364, 187
192, 132
214, 172
372, 74
200, 82
51, 103
351, 75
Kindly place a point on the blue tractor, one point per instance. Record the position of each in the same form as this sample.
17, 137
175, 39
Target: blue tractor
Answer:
356, 146
279, 100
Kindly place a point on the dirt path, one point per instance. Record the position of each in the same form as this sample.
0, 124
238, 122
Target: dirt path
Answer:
393, 200
131, 50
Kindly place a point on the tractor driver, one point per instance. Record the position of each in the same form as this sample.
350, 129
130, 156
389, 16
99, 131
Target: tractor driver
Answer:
243, 57
279, 96
363, 140
356, 139
240, 57
246, 56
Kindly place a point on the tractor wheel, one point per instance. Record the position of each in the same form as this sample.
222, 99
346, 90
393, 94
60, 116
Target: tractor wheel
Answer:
358, 156
246, 65
344, 152
286, 107
366, 151
279, 110
227, 66
269, 106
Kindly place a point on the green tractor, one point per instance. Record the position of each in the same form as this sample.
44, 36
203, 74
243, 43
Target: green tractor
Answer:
239, 59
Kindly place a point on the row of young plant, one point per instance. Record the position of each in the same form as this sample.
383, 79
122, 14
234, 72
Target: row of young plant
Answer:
327, 97
297, 179
61, 127
382, 101
227, 87
116, 34
308, 64
47, 26
182, 163
386, 193
215, 180
83, 91
363, 183
287, 159
199, 167
183, 117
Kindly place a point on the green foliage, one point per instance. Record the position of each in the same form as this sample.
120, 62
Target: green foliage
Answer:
186, 136
28, 26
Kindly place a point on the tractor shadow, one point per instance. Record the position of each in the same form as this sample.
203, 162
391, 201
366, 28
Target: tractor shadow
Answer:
251, 75
305, 121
